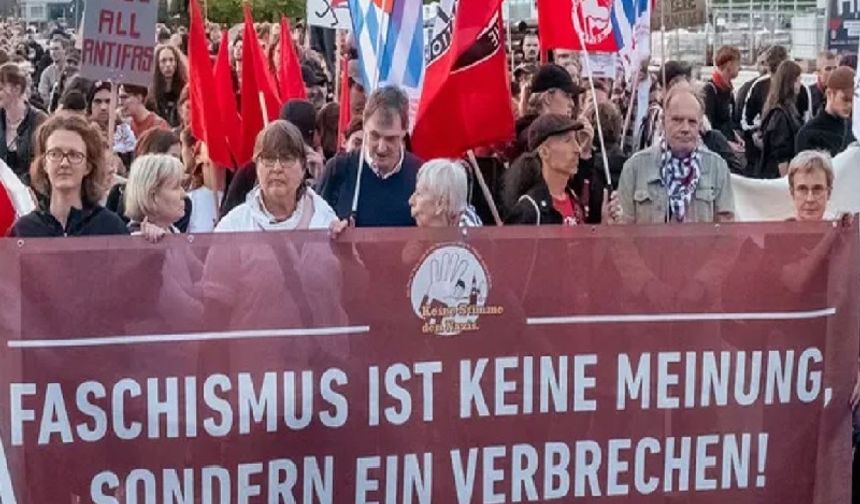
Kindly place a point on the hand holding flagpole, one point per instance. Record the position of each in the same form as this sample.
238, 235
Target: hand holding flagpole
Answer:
578, 29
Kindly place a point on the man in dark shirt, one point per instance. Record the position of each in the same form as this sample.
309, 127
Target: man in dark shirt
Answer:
373, 187
719, 103
830, 130
827, 63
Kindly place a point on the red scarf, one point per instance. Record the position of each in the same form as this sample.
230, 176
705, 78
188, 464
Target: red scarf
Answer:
720, 83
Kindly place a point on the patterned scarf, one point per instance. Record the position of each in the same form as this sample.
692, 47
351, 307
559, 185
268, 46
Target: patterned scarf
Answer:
680, 178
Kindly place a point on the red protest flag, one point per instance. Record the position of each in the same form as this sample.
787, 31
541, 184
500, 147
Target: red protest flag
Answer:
292, 86
225, 95
344, 115
207, 122
7, 212
557, 29
258, 89
465, 103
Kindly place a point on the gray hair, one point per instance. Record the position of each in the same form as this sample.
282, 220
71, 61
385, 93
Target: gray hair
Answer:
447, 180
809, 161
148, 174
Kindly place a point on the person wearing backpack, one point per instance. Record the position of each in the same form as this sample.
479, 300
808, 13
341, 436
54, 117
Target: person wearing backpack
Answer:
781, 122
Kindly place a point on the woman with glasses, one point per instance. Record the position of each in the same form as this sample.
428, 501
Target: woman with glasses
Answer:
810, 183
282, 199
70, 168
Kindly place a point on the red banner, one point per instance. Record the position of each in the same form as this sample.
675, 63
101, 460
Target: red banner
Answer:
637, 364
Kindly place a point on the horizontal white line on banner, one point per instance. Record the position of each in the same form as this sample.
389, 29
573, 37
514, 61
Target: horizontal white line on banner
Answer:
182, 337
679, 317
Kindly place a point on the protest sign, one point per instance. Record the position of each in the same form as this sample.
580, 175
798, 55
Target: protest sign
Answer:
118, 41
329, 14
602, 65
627, 364
843, 27
678, 14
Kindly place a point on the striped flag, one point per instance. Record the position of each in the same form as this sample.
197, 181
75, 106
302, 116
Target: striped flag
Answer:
390, 43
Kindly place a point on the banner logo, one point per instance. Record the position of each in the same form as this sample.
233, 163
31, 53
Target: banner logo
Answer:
449, 291
594, 19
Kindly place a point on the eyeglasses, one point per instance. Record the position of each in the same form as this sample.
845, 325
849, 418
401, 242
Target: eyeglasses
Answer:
56, 156
817, 191
269, 163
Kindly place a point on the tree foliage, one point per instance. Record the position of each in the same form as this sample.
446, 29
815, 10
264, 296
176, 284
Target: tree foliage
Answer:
230, 11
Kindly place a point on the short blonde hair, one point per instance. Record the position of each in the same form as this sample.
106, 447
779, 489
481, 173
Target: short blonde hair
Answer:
447, 180
808, 161
148, 174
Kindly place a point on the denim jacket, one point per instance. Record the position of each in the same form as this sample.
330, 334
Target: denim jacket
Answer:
644, 200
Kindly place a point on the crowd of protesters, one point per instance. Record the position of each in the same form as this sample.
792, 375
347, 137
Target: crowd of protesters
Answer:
671, 164
150, 176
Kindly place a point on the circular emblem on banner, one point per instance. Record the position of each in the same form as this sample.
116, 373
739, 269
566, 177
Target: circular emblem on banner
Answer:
593, 19
448, 290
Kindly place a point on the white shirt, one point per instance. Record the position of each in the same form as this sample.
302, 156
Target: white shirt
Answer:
375, 169
252, 215
204, 210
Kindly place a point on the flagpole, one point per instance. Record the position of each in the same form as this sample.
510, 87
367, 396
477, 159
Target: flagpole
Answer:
663, 43
111, 132
263, 108
479, 176
634, 92
578, 30
379, 37
337, 60
510, 44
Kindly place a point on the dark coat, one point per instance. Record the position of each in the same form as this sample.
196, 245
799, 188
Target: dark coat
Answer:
379, 203
720, 109
24, 143
92, 221
524, 212
825, 132
779, 129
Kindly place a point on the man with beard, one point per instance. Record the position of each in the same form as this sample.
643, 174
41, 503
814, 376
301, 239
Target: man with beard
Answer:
531, 47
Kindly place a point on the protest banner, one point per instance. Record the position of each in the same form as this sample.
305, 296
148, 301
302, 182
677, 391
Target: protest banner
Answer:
843, 27
118, 41
696, 363
679, 14
329, 14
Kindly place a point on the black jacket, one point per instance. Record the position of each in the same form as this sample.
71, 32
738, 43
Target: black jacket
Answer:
20, 161
538, 198
720, 108
91, 221
779, 129
825, 132
819, 100
716, 142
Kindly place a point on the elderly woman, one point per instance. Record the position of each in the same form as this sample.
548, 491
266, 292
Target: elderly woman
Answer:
440, 197
538, 184
154, 197
282, 199
70, 168
810, 182
153, 141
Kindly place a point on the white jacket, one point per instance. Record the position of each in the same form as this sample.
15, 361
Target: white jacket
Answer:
312, 212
